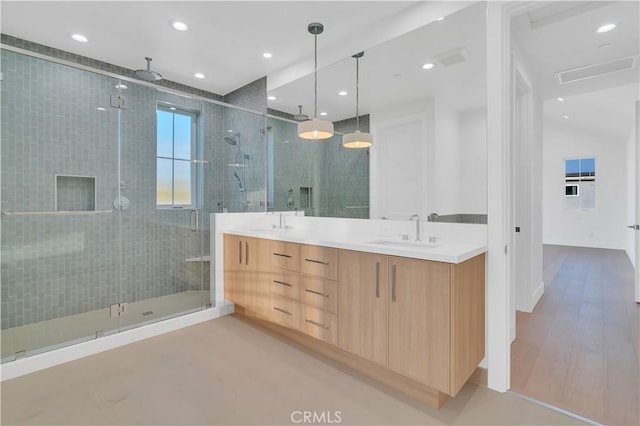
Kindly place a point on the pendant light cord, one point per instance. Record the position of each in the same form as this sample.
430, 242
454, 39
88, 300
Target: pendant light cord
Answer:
357, 91
315, 75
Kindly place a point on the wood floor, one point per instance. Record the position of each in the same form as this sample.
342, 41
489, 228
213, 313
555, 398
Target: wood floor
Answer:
579, 348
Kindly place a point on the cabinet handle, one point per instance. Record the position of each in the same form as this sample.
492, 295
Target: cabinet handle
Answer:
282, 255
246, 252
240, 251
317, 324
282, 310
282, 282
393, 283
377, 279
316, 292
317, 261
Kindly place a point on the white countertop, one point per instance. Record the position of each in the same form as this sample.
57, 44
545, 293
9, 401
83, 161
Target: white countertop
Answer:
442, 251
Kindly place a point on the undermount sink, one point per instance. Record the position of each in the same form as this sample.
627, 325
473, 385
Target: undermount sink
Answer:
405, 243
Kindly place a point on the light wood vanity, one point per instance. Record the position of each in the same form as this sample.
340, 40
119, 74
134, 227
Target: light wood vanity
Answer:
415, 325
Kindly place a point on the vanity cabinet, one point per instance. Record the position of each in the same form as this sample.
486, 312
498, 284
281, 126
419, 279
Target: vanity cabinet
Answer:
247, 272
421, 319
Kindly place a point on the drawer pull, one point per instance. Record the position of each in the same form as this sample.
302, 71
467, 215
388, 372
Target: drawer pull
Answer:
282, 255
282, 310
317, 261
316, 292
282, 283
317, 324
377, 279
393, 283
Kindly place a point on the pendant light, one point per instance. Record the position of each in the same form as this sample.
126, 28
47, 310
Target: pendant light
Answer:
314, 128
357, 139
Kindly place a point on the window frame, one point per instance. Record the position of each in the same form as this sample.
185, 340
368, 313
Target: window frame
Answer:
193, 115
578, 181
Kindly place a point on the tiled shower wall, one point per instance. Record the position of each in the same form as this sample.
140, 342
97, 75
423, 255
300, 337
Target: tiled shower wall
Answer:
338, 176
54, 266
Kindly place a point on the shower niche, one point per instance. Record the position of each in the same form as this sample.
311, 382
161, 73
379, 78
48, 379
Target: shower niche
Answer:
75, 193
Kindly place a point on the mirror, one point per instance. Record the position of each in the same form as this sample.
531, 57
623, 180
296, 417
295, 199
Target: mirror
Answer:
428, 125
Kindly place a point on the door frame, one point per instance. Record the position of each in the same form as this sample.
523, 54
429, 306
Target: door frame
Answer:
637, 201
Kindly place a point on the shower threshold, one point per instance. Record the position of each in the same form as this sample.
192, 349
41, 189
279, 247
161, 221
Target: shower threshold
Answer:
52, 334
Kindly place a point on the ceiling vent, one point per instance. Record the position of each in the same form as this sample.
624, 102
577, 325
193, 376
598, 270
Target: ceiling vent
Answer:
452, 57
596, 70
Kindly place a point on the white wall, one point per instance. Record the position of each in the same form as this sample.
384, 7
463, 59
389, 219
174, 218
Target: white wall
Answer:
631, 195
602, 227
473, 162
447, 166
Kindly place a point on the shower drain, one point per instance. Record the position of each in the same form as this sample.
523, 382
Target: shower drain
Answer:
144, 314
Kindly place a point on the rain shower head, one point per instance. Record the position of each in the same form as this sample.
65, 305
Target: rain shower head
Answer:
300, 116
148, 75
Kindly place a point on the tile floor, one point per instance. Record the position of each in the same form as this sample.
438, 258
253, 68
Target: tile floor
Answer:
61, 331
578, 350
230, 372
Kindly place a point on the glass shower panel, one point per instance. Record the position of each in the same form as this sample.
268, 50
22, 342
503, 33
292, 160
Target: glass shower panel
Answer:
164, 268
244, 154
59, 228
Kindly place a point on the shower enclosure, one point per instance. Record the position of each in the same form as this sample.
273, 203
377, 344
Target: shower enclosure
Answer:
107, 186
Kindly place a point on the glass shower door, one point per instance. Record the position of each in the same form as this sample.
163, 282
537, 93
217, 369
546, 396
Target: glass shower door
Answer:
162, 256
59, 230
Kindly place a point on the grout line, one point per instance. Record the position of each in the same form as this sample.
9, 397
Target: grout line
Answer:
557, 409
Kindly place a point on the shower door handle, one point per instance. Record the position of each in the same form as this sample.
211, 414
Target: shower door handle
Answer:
194, 220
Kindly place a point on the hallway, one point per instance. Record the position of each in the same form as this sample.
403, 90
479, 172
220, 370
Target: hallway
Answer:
578, 350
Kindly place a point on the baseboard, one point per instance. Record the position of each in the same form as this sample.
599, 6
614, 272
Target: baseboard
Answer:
587, 244
30, 364
480, 377
536, 296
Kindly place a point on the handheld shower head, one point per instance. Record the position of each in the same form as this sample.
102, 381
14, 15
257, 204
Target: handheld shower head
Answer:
148, 75
239, 181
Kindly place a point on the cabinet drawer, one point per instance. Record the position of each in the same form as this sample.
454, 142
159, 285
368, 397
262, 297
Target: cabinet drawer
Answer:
284, 283
320, 324
319, 261
285, 255
285, 312
319, 292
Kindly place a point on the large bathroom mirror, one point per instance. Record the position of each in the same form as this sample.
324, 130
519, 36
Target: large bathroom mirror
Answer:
423, 97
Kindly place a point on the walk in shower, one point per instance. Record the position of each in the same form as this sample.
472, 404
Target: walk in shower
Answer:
107, 187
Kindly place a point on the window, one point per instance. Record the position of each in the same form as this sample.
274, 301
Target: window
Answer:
175, 141
580, 183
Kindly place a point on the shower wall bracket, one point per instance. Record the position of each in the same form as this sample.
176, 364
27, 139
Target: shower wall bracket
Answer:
118, 309
119, 101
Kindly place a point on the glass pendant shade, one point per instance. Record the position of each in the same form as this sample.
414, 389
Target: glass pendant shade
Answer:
315, 129
357, 139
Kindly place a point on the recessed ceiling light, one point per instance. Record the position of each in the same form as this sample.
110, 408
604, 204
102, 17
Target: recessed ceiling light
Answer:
342, 93
120, 86
101, 109
561, 99
323, 113
427, 66
267, 55
79, 37
229, 130
172, 108
565, 116
271, 98
440, 18
605, 28
178, 26
198, 75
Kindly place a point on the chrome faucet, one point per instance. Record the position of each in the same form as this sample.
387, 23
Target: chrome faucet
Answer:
417, 219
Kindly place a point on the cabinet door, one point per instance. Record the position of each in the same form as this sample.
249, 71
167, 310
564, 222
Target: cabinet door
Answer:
233, 269
259, 278
363, 287
419, 325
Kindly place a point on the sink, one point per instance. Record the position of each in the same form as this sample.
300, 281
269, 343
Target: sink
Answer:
405, 243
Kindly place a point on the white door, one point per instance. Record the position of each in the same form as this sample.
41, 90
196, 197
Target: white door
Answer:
636, 225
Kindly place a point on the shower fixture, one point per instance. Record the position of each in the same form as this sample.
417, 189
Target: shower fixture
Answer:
233, 140
239, 181
300, 116
148, 75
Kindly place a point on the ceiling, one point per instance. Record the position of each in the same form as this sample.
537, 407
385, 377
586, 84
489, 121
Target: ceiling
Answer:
226, 41
562, 36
